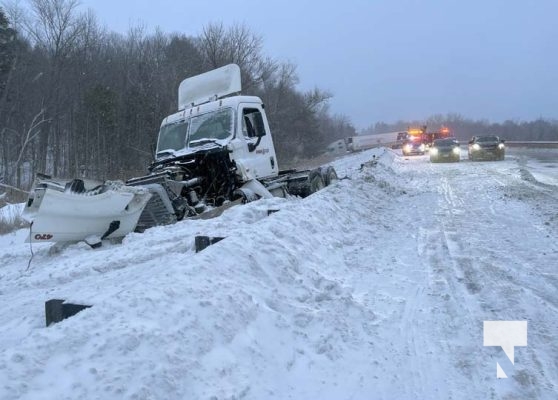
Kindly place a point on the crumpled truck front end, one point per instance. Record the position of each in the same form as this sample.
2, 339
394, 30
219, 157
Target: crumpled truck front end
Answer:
75, 210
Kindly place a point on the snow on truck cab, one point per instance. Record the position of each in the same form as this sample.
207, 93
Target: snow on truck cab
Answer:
215, 152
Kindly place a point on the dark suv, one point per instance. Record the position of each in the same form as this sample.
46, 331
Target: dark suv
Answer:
445, 150
486, 147
413, 146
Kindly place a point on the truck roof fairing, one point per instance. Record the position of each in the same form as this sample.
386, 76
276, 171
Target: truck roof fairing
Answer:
209, 86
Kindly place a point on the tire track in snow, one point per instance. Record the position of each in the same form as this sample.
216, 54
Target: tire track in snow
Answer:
460, 284
481, 259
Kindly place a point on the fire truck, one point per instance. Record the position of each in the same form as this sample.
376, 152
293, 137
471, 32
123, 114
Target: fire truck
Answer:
419, 140
429, 137
414, 144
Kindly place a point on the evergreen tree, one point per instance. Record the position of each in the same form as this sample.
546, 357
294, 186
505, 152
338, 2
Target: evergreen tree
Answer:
7, 52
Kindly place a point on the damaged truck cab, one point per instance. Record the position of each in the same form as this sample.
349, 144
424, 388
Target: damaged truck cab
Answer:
235, 126
212, 111
217, 149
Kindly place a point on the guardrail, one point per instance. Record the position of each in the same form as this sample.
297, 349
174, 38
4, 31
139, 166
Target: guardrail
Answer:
532, 143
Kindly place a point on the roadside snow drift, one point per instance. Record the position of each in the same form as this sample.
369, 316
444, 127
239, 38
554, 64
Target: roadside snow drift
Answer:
374, 288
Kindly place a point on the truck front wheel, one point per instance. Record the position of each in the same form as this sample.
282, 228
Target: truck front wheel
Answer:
329, 176
304, 186
315, 182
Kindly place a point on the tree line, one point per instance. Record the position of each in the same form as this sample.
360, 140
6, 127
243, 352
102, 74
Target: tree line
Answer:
463, 128
79, 100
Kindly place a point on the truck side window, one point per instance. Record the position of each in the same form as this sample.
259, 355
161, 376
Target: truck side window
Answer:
252, 123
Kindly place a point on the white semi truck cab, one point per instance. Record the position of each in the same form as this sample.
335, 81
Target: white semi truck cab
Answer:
216, 149
221, 119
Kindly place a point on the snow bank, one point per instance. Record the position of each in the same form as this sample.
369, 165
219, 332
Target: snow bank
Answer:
10, 217
363, 290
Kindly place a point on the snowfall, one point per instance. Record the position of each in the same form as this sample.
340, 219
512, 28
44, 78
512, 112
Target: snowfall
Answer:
376, 287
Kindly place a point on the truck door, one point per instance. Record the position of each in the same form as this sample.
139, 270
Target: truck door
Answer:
258, 153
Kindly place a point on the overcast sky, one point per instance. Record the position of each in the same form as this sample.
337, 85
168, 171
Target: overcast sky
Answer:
386, 60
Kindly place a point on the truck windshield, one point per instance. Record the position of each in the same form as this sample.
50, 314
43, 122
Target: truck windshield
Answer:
172, 136
211, 126
197, 130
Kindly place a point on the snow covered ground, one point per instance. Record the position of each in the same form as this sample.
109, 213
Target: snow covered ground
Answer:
374, 288
9, 213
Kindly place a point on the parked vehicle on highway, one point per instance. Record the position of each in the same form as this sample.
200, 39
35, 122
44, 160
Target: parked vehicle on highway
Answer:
486, 147
402, 137
445, 150
413, 146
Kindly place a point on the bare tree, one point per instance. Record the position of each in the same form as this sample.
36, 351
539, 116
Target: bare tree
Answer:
56, 28
26, 138
238, 45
